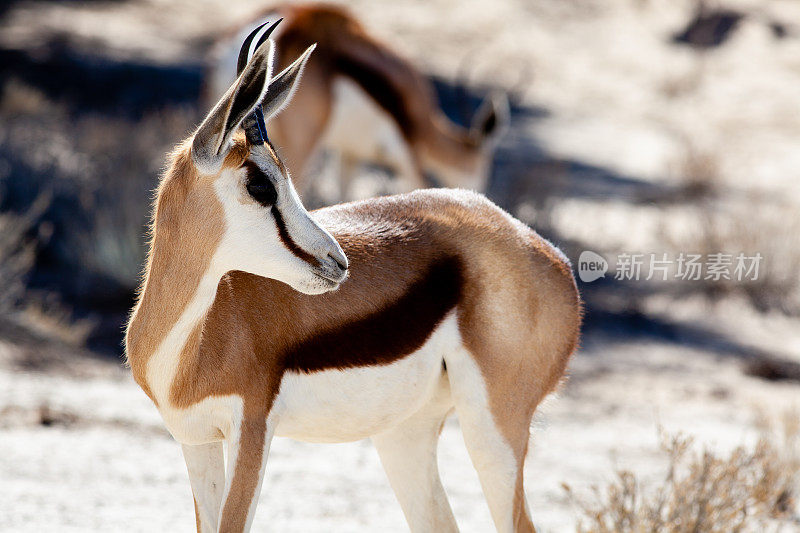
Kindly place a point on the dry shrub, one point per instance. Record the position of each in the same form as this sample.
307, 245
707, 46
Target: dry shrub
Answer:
41, 312
733, 222
44, 314
17, 253
696, 168
20, 99
751, 489
751, 226
100, 169
700, 171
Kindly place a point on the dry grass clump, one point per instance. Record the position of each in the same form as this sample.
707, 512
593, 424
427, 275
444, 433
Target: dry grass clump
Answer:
699, 171
751, 489
733, 222
769, 230
100, 170
20, 234
17, 253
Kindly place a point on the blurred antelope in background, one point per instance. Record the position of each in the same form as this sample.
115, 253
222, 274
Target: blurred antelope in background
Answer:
370, 319
362, 100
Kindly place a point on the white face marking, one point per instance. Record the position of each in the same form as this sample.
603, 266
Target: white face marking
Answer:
252, 242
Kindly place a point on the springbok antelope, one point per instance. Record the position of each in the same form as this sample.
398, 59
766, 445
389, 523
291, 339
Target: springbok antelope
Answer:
365, 102
370, 319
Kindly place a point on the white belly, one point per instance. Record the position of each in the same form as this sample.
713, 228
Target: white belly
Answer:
360, 128
352, 404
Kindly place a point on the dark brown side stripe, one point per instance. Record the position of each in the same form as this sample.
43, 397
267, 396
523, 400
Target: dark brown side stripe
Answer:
389, 334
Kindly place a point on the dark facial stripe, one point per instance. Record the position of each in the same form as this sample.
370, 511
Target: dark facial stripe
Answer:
389, 334
287, 240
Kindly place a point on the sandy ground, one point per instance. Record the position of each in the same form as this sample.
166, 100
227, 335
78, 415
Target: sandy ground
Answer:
618, 96
99, 459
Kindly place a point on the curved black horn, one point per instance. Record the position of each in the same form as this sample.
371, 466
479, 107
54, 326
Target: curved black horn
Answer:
244, 52
254, 127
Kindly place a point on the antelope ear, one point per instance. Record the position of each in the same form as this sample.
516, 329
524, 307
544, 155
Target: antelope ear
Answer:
212, 140
283, 86
491, 119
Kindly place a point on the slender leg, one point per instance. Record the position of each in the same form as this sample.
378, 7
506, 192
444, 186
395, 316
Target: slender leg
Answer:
499, 462
248, 447
408, 455
206, 468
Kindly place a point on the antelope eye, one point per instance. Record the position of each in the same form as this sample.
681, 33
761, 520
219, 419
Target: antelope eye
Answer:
262, 192
259, 186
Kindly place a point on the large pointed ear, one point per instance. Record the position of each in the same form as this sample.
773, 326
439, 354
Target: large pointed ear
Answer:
212, 140
283, 86
492, 118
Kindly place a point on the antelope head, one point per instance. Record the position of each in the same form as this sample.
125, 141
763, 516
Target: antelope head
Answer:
267, 231
488, 125
462, 157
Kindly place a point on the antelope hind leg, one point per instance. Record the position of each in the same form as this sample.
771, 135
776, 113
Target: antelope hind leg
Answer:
408, 455
498, 460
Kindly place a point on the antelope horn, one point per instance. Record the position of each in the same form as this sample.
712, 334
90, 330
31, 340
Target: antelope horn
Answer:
254, 126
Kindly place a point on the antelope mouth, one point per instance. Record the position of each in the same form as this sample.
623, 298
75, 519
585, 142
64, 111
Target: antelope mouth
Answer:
331, 272
329, 284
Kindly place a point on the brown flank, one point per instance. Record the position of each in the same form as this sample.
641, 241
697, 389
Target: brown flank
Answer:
395, 330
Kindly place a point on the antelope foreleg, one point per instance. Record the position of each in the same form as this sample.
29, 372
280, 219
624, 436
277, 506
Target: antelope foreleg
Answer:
206, 468
248, 447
